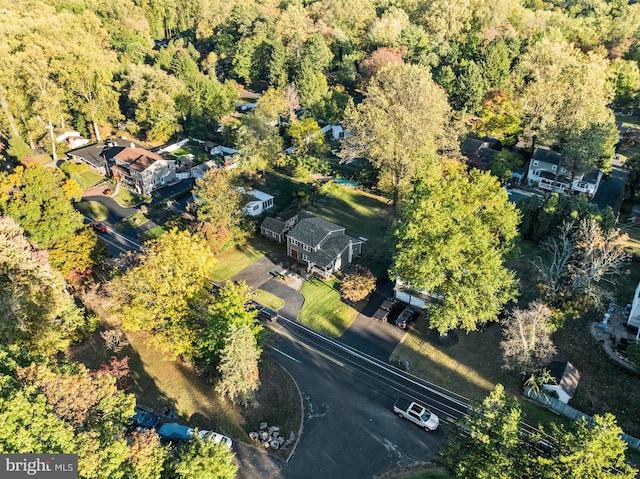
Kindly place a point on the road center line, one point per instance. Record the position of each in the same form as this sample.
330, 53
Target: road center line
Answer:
286, 355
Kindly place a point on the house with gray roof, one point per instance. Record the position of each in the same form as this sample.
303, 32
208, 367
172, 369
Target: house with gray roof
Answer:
321, 245
543, 173
276, 228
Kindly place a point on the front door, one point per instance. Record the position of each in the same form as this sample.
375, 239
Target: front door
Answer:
294, 253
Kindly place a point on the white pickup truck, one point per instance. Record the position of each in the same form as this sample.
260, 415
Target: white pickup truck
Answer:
416, 413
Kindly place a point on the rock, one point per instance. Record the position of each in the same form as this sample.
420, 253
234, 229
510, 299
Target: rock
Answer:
292, 437
265, 444
280, 440
263, 425
275, 434
274, 444
264, 436
254, 436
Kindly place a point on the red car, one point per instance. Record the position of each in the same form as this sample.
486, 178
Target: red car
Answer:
98, 227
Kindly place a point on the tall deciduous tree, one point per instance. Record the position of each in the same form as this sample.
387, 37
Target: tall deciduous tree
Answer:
220, 199
204, 460
401, 126
160, 294
527, 343
37, 313
453, 232
259, 142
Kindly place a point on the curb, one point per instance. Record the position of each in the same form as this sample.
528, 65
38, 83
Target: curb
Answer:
301, 412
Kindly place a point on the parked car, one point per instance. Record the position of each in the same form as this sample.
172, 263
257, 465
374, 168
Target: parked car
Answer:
405, 318
144, 418
416, 413
385, 308
173, 431
267, 314
216, 438
98, 227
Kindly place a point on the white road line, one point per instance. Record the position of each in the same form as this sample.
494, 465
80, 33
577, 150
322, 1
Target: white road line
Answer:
285, 354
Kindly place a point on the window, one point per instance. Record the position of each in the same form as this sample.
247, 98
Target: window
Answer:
294, 242
305, 257
535, 163
306, 248
553, 167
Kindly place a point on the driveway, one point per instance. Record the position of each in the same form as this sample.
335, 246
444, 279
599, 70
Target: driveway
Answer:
610, 191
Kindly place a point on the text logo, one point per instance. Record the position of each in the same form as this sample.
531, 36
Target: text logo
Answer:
45, 466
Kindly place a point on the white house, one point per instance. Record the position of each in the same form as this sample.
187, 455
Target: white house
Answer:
543, 173
634, 315
258, 203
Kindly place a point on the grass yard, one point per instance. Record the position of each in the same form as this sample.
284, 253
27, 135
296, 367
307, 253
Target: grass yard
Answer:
88, 178
267, 299
125, 198
197, 151
323, 310
133, 221
233, 260
93, 209
160, 382
362, 214
152, 233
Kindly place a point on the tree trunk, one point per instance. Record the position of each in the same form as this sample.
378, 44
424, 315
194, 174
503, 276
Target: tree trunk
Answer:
5, 107
53, 141
96, 131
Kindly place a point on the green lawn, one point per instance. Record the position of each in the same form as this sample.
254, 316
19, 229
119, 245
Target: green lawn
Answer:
133, 221
88, 178
233, 260
267, 299
126, 198
197, 151
93, 209
323, 310
362, 214
152, 233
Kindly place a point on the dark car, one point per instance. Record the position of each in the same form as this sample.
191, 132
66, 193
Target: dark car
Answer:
405, 318
385, 308
267, 314
98, 227
144, 418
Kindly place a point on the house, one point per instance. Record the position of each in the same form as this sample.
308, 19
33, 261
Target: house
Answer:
73, 138
258, 202
566, 378
143, 170
322, 245
542, 173
479, 153
634, 315
100, 156
198, 171
128, 163
276, 228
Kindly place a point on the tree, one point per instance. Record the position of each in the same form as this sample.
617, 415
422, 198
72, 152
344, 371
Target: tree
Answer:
38, 314
594, 450
238, 368
453, 233
204, 460
504, 164
119, 369
581, 256
306, 136
357, 284
499, 118
495, 447
491, 448
386, 30
161, 293
370, 66
403, 124
228, 312
219, 200
471, 88
496, 66
259, 142
527, 343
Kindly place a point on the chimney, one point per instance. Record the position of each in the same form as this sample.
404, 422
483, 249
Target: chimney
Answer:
132, 145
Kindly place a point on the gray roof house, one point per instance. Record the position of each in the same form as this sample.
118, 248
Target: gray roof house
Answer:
567, 378
276, 228
542, 173
100, 156
323, 246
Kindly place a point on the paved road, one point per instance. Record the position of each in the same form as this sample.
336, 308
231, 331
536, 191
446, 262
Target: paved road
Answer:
349, 428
